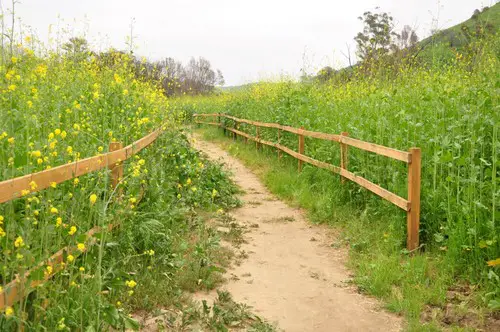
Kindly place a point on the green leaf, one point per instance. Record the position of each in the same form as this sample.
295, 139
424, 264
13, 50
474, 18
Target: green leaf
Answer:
130, 323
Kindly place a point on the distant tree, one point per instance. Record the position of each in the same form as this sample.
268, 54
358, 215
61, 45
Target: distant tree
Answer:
220, 78
377, 37
407, 38
76, 48
173, 75
476, 13
325, 74
200, 78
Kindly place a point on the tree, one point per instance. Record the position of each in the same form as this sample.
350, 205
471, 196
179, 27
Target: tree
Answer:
325, 74
408, 37
220, 78
172, 76
200, 78
376, 39
76, 48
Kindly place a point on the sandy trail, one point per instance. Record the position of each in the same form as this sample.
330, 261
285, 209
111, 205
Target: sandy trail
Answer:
292, 275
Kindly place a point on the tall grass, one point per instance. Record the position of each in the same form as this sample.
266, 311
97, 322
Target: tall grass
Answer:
451, 112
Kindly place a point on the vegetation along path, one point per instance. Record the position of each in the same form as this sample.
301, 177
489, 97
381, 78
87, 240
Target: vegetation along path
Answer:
292, 275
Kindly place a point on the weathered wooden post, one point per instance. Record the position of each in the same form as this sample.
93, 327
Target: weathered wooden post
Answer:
413, 214
235, 127
279, 143
117, 168
343, 154
301, 147
257, 135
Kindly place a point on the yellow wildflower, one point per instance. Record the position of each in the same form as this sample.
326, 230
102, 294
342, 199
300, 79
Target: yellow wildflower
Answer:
494, 262
58, 221
54, 210
93, 199
33, 185
130, 283
70, 258
9, 311
11, 140
19, 242
81, 247
36, 154
72, 230
53, 184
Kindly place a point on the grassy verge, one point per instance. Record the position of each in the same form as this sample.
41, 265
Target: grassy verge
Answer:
422, 288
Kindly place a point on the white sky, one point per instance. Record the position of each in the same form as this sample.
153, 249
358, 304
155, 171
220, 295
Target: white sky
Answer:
247, 40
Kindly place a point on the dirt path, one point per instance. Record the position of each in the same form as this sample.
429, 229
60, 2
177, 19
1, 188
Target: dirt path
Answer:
292, 275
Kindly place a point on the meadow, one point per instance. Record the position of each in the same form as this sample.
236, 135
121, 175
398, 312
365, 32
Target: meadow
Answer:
451, 112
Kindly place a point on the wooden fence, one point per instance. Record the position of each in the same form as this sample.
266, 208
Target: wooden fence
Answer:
413, 158
17, 289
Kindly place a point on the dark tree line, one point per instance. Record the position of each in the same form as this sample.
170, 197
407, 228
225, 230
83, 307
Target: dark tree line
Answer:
172, 76
175, 78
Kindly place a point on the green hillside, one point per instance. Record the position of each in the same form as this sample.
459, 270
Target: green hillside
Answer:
441, 47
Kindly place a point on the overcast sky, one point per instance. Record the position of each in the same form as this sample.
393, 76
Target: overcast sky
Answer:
247, 40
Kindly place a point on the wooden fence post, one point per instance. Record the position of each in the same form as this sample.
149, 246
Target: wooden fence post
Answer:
257, 135
279, 142
343, 155
301, 147
413, 215
235, 136
116, 169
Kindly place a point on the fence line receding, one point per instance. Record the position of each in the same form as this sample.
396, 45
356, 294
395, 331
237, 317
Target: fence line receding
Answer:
12, 189
413, 158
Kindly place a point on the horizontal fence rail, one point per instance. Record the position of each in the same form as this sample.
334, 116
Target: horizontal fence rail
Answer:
413, 158
11, 189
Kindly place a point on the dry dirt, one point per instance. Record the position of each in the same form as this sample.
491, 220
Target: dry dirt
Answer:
292, 275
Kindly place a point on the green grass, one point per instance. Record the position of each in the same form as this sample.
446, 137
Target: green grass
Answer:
450, 111
408, 285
